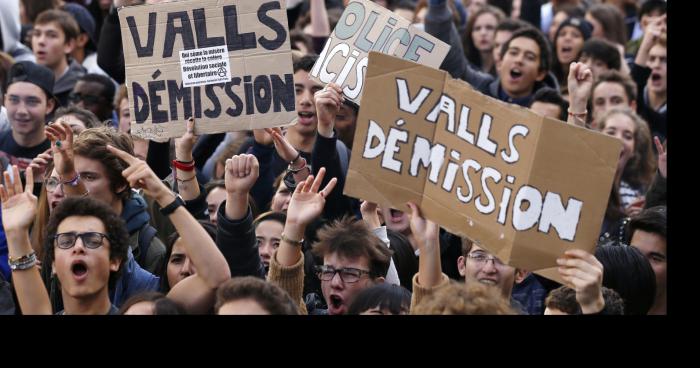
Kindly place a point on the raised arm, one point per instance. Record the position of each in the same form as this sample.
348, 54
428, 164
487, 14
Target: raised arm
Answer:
370, 216
196, 293
584, 273
319, 19
61, 137
580, 83
430, 276
18, 211
186, 173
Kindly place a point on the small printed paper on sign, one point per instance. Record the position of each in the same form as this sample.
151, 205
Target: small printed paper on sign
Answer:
204, 66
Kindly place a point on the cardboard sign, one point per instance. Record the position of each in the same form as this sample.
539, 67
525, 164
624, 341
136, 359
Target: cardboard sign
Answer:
228, 63
524, 187
364, 27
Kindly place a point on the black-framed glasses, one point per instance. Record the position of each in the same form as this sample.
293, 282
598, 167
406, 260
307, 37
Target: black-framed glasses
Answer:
91, 239
52, 184
482, 259
347, 274
89, 99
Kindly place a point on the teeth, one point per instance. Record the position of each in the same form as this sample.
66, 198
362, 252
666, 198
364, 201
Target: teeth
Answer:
488, 282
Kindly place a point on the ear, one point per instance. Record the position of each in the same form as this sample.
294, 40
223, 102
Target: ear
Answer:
50, 104
462, 266
69, 46
82, 40
520, 275
114, 264
540, 75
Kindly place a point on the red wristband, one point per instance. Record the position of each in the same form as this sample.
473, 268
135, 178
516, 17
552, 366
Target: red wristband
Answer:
189, 166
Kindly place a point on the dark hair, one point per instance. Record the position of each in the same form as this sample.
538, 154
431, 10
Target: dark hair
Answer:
651, 5
280, 217
65, 21
564, 299
86, 116
512, 25
614, 76
571, 10
470, 50
108, 90
404, 258
213, 184
305, 63
32, 8
652, 220
627, 271
163, 269
296, 35
162, 305
352, 239
537, 36
395, 298
269, 296
115, 227
603, 50
612, 20
552, 96
92, 143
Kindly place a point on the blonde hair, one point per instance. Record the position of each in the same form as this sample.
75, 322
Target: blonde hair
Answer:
460, 299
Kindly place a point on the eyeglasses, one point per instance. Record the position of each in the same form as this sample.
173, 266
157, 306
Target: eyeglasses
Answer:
91, 239
347, 274
52, 184
89, 99
482, 259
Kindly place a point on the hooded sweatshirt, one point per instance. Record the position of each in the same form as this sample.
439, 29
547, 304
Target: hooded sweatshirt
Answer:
135, 214
10, 29
65, 83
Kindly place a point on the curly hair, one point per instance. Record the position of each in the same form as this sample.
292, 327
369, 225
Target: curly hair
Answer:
270, 297
115, 227
470, 299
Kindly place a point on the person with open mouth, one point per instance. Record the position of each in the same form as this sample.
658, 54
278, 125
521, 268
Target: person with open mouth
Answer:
568, 43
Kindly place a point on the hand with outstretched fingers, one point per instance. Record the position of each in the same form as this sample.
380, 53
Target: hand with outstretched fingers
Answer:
18, 205
307, 201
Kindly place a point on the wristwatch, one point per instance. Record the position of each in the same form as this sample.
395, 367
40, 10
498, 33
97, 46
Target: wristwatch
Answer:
169, 209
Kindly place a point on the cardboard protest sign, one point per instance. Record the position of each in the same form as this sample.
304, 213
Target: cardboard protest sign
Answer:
524, 187
363, 27
228, 63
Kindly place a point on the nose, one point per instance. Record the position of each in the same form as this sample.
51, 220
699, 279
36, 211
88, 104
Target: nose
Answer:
265, 250
59, 191
187, 268
78, 247
490, 266
307, 98
336, 281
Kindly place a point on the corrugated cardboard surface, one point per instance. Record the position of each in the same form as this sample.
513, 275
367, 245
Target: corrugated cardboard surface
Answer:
554, 157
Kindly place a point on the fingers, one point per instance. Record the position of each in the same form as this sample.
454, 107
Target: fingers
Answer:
319, 179
659, 147
306, 185
18, 181
8, 184
253, 167
190, 125
29, 179
329, 187
415, 210
3, 194
129, 159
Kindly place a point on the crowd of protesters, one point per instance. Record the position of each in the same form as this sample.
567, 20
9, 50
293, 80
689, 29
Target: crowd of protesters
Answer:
97, 221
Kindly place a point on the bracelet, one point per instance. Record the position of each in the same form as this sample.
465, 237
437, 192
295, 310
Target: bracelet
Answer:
185, 180
184, 166
294, 242
293, 170
22, 263
295, 158
580, 115
73, 182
